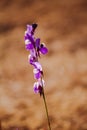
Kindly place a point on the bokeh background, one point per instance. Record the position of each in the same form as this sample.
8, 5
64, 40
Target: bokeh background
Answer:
62, 26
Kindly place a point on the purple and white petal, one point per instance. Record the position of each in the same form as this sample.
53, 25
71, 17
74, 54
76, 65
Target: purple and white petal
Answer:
38, 66
29, 29
28, 45
37, 73
36, 85
33, 53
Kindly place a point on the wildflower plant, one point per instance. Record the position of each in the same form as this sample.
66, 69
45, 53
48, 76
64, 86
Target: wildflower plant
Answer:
36, 48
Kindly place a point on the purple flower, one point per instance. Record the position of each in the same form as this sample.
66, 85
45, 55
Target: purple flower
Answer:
29, 29
43, 49
38, 86
33, 45
28, 45
37, 73
38, 66
31, 59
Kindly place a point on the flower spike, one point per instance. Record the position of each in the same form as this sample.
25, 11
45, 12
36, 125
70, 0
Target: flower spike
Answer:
35, 48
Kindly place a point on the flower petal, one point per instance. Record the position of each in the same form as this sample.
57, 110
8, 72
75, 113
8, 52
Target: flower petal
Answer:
28, 45
38, 66
29, 29
44, 50
37, 42
36, 85
37, 73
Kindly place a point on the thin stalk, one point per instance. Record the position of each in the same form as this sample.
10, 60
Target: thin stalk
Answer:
44, 98
0, 125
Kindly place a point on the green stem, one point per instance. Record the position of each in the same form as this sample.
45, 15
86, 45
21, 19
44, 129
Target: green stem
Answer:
44, 98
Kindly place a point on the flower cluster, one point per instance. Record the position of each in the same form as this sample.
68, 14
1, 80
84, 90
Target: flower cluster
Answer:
35, 48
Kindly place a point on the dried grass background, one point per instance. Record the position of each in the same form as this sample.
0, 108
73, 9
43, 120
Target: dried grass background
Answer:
63, 27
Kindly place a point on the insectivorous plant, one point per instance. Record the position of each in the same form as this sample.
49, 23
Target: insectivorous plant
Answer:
36, 48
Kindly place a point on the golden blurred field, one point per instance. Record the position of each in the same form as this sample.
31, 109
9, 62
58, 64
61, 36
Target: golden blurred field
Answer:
62, 25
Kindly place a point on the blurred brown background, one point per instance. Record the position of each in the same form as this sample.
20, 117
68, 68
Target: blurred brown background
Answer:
63, 27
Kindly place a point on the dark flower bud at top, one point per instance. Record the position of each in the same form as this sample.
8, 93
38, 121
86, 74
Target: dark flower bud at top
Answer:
34, 26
